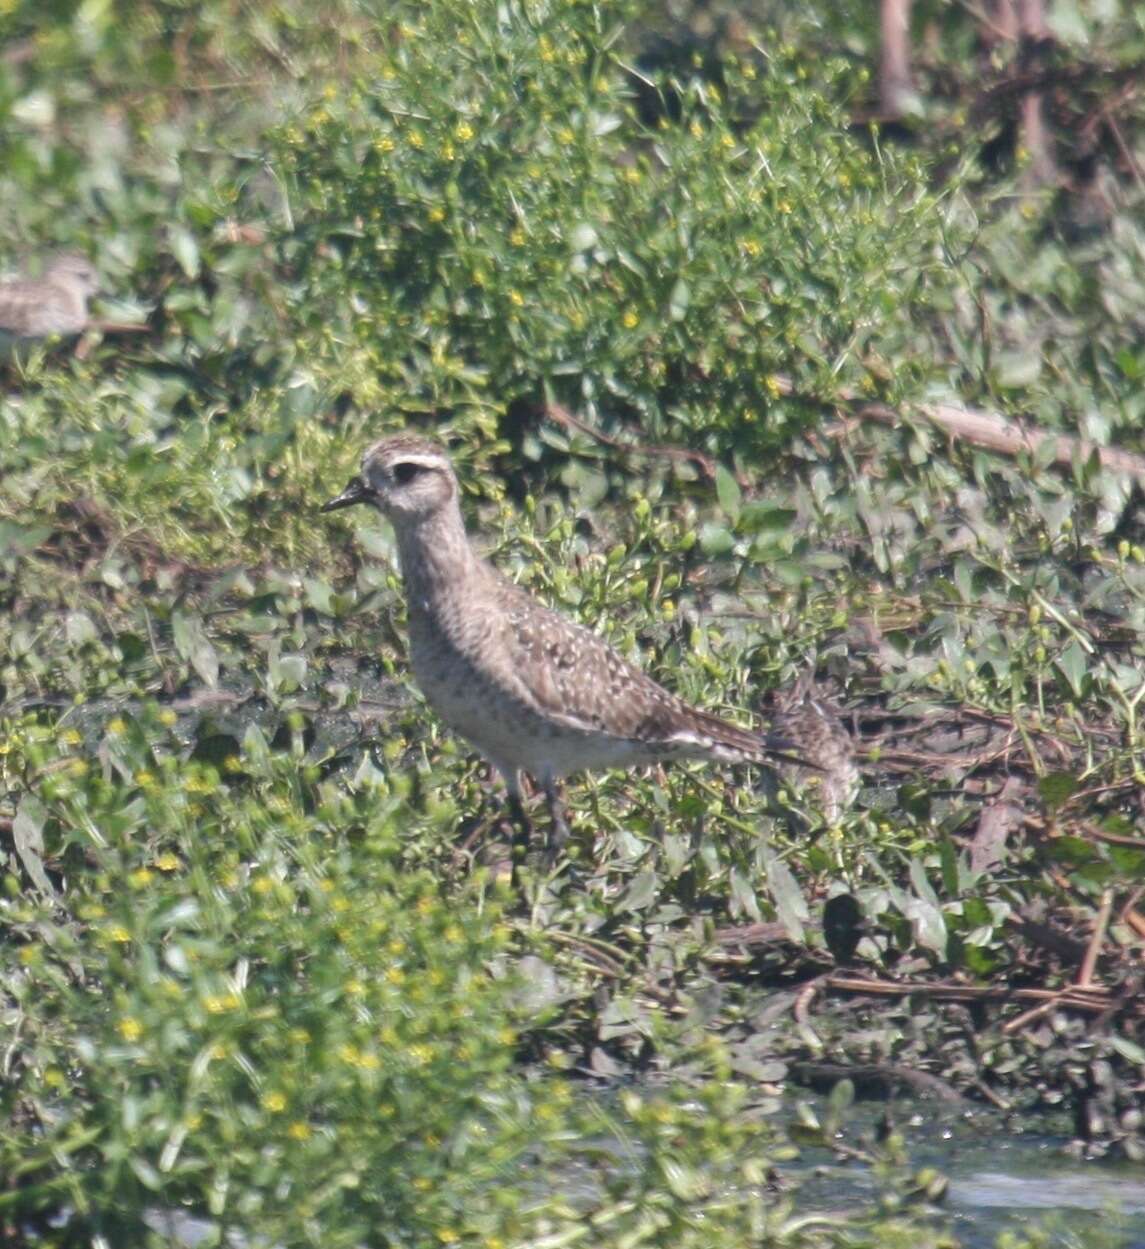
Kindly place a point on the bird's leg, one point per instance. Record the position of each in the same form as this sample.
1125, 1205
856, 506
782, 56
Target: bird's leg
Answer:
522, 825
559, 832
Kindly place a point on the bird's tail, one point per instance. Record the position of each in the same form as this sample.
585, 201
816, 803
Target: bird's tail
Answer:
729, 743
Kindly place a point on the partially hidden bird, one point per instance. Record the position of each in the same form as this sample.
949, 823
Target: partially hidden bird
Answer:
532, 690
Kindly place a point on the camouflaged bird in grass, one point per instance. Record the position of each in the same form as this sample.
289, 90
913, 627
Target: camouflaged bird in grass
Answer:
816, 732
55, 304
535, 692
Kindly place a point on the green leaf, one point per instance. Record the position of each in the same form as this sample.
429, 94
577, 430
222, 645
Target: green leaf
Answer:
1129, 1050
192, 644
716, 539
743, 899
1056, 788
184, 249
641, 893
948, 857
728, 493
679, 300
79, 628
924, 913
790, 904
28, 837
761, 517
1071, 664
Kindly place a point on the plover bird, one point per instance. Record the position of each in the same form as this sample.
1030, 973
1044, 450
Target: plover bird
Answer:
817, 735
55, 303
535, 692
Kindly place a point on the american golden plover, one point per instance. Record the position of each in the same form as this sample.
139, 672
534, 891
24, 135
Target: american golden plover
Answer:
533, 691
53, 303
817, 735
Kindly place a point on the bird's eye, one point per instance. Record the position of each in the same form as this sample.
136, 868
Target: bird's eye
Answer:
405, 472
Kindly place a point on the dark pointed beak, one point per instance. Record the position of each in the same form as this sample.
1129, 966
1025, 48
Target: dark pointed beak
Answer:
356, 492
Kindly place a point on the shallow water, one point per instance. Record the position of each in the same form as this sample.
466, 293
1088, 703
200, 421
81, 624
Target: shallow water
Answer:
998, 1183
1002, 1182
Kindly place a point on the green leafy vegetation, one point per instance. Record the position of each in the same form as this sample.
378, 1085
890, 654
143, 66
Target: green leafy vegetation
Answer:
261, 969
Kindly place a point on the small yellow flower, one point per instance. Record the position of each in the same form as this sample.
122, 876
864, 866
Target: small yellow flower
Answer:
220, 1003
349, 1054
517, 237
78, 767
546, 50
784, 206
232, 763
118, 933
463, 131
220, 1051
140, 878
168, 862
416, 139
130, 1029
565, 136
29, 954
697, 130
384, 144
447, 151
71, 737
751, 246
453, 934
448, 1236
395, 975
771, 385
116, 727
298, 1131
355, 988
274, 1102
369, 1062
262, 885
168, 717
516, 299
436, 213
631, 319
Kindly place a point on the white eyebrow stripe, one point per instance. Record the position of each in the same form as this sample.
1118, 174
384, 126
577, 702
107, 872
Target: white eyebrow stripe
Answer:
423, 461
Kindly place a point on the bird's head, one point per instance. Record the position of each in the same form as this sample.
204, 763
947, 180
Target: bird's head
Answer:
75, 269
408, 479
